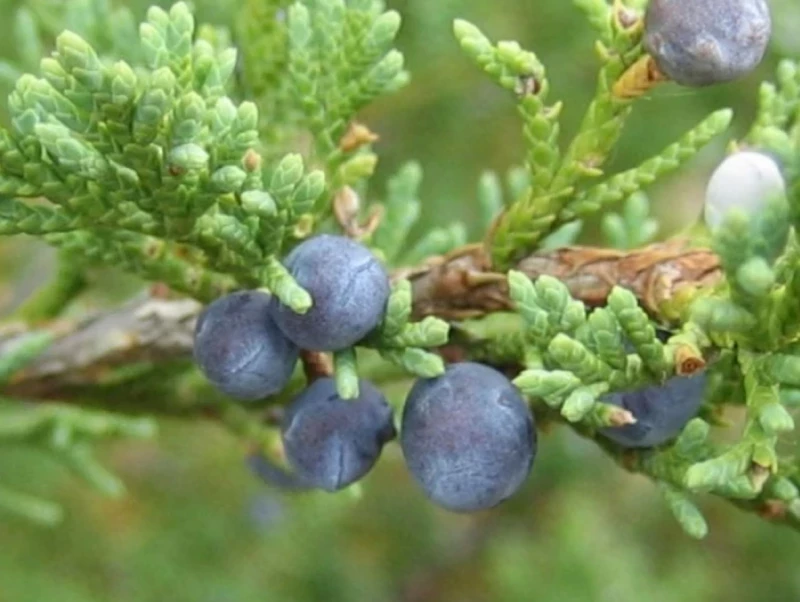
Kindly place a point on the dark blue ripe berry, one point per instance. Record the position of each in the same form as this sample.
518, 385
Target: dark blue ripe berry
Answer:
704, 42
240, 349
468, 437
349, 288
332, 442
661, 411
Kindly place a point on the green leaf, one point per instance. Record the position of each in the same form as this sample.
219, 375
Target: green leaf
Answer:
438, 241
398, 309
490, 198
552, 386
346, 373
686, 513
578, 404
430, 332
624, 184
639, 331
416, 361
34, 509
281, 284
571, 355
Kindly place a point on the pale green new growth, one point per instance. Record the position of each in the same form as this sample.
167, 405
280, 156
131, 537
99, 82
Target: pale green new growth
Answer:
622, 185
346, 371
154, 159
685, 512
402, 342
582, 356
401, 210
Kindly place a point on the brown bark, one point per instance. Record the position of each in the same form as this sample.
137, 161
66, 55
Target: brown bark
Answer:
461, 285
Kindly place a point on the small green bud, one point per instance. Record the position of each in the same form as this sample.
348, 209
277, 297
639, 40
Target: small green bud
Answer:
577, 405
229, 178
756, 277
259, 203
287, 174
775, 419
189, 157
358, 168
384, 29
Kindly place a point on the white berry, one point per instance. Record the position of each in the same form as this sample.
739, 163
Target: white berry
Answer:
745, 181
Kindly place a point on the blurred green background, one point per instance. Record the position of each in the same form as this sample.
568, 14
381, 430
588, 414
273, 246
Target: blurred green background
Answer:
196, 526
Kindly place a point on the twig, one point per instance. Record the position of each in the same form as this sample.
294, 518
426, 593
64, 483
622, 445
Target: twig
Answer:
158, 330
461, 285
457, 286
144, 329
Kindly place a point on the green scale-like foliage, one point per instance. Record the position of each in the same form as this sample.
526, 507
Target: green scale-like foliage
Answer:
750, 319
561, 185
133, 149
573, 357
313, 65
131, 157
746, 327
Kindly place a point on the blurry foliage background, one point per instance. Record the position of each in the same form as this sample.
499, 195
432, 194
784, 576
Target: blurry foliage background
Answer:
196, 527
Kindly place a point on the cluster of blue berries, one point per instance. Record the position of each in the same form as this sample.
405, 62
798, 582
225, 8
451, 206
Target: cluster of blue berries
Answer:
247, 343
468, 436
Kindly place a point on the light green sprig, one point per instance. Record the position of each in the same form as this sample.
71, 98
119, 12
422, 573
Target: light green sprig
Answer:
400, 212
345, 366
403, 342
340, 57
622, 185
134, 161
581, 356
632, 227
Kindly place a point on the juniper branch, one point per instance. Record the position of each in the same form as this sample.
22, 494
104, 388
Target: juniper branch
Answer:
158, 331
663, 277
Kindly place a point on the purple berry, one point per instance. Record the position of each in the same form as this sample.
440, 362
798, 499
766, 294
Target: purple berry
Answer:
468, 437
704, 42
661, 411
240, 349
332, 442
349, 288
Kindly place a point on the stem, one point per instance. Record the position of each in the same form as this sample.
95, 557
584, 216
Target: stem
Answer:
50, 300
664, 277
156, 335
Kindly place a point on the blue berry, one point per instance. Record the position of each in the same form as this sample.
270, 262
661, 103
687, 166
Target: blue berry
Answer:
332, 442
661, 411
349, 288
468, 437
704, 42
240, 349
